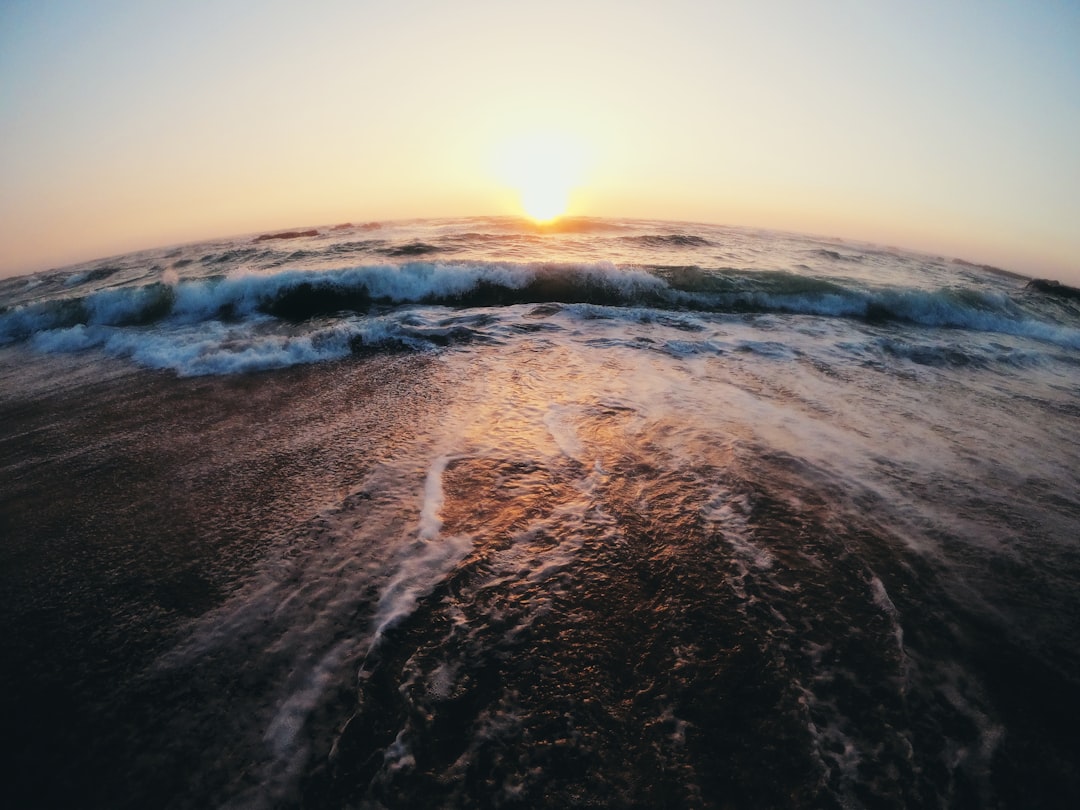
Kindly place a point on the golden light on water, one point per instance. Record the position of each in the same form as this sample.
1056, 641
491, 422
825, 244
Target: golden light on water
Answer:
543, 169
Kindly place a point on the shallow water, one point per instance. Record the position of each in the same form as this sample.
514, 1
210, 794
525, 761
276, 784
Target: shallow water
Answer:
628, 514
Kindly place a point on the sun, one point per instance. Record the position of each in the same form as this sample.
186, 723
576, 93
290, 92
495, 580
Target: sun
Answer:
543, 168
544, 201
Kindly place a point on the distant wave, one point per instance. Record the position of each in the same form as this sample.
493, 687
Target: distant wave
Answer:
236, 255
835, 256
409, 249
669, 240
97, 274
357, 246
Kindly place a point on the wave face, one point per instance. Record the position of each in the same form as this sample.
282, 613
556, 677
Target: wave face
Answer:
474, 513
240, 306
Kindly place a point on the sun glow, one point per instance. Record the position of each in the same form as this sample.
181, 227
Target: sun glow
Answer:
543, 168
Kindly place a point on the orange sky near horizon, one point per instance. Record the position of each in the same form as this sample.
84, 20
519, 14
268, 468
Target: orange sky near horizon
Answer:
945, 128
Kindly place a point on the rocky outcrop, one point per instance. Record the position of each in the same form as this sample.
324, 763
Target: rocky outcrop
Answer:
1051, 287
286, 235
989, 268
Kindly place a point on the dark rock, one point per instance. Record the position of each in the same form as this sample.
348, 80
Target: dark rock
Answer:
989, 268
1051, 287
286, 235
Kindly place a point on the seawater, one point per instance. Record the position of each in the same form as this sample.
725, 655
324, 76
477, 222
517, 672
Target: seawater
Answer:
476, 513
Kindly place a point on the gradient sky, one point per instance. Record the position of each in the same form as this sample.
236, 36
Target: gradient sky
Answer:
948, 126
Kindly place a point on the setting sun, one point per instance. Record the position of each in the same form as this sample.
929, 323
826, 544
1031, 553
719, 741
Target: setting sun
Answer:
544, 202
543, 169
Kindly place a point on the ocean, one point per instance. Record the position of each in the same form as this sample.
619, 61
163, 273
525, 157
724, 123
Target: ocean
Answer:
478, 513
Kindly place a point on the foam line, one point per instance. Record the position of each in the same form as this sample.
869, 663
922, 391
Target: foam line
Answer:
425, 562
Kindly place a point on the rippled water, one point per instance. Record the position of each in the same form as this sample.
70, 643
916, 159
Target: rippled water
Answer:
466, 513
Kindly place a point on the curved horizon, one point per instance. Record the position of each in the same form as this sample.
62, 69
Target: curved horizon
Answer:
301, 230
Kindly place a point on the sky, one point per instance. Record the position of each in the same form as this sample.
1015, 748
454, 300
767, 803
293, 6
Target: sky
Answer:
951, 127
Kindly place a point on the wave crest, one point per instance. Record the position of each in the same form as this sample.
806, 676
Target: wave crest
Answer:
295, 296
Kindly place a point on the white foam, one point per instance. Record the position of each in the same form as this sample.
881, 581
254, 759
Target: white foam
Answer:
962, 692
628, 280
882, 600
430, 520
74, 339
291, 717
678, 727
836, 751
424, 562
302, 609
558, 420
398, 756
442, 679
730, 513
215, 347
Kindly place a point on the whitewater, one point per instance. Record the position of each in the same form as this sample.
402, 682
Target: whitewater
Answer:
475, 512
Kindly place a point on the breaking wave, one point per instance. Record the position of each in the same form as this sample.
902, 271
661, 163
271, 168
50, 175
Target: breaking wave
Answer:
206, 325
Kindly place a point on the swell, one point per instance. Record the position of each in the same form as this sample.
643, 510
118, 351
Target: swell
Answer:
296, 296
668, 240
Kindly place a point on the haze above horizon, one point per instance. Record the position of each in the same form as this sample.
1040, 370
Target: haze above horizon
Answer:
944, 127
